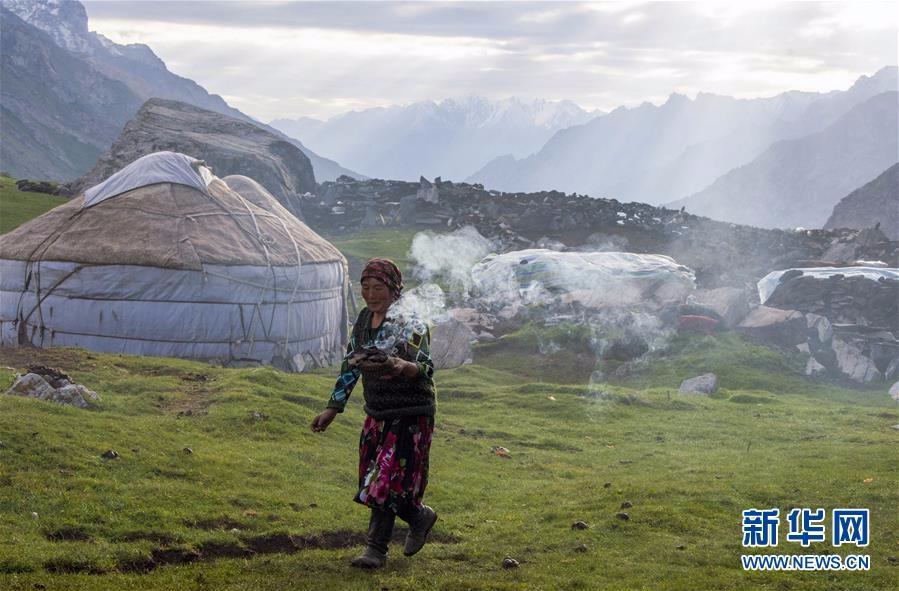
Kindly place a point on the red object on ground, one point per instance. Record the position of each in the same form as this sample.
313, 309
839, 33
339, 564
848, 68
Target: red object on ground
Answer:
697, 323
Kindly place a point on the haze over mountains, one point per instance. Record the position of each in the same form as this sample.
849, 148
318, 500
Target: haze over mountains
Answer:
452, 138
67, 91
657, 154
778, 161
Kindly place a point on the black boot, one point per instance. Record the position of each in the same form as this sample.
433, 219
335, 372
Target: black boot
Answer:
380, 528
420, 520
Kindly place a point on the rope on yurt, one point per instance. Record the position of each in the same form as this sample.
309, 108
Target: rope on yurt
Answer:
296, 285
258, 236
33, 270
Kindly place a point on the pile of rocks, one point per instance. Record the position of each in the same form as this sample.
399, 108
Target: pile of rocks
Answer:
721, 254
46, 383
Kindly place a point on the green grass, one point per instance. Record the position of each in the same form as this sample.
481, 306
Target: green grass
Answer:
688, 464
17, 207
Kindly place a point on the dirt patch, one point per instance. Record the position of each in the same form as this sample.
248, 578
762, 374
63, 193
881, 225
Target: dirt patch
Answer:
65, 359
67, 533
68, 565
174, 555
217, 549
136, 564
160, 538
223, 522
272, 543
191, 402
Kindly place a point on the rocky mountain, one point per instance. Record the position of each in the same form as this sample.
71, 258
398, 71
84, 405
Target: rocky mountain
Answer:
451, 138
875, 203
798, 182
58, 28
656, 154
58, 112
228, 145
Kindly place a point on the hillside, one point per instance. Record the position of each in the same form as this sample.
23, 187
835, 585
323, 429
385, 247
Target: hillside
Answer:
874, 203
251, 505
67, 92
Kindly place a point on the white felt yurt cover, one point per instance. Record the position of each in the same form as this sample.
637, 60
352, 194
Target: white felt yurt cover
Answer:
172, 268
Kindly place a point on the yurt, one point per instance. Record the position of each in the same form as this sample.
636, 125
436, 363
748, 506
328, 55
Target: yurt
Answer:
163, 258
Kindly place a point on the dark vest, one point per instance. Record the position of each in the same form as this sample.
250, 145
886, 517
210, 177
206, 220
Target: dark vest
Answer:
396, 397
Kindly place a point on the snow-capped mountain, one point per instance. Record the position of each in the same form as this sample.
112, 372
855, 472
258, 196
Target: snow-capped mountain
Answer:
451, 138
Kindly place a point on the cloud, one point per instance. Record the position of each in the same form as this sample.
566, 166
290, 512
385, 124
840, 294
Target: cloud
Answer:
285, 59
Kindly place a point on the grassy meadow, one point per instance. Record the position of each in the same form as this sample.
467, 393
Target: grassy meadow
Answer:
17, 207
260, 502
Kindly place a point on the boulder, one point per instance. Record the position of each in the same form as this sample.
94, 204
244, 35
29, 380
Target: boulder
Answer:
852, 364
450, 343
894, 391
772, 325
730, 303
35, 386
704, 385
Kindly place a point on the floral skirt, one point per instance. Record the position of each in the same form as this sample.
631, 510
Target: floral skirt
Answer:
393, 462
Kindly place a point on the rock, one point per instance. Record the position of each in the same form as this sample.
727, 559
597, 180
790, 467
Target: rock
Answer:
852, 364
626, 505
427, 192
110, 454
820, 330
895, 427
772, 325
579, 525
849, 297
892, 370
622, 516
35, 386
450, 343
704, 384
228, 145
581, 548
813, 368
894, 391
730, 303
34, 515
509, 562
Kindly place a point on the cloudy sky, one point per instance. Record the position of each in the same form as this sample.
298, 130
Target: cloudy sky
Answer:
293, 59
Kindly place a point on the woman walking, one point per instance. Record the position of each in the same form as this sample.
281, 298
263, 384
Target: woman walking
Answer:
392, 355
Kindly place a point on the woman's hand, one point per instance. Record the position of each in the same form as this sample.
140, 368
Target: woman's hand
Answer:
323, 419
391, 368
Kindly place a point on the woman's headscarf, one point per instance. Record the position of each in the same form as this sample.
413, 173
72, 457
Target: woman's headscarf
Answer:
387, 272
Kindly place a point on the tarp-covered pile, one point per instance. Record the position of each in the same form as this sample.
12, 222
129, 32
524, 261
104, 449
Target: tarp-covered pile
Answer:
591, 279
163, 258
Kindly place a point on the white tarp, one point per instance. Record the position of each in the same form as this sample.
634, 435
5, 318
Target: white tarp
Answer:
769, 282
593, 279
159, 167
